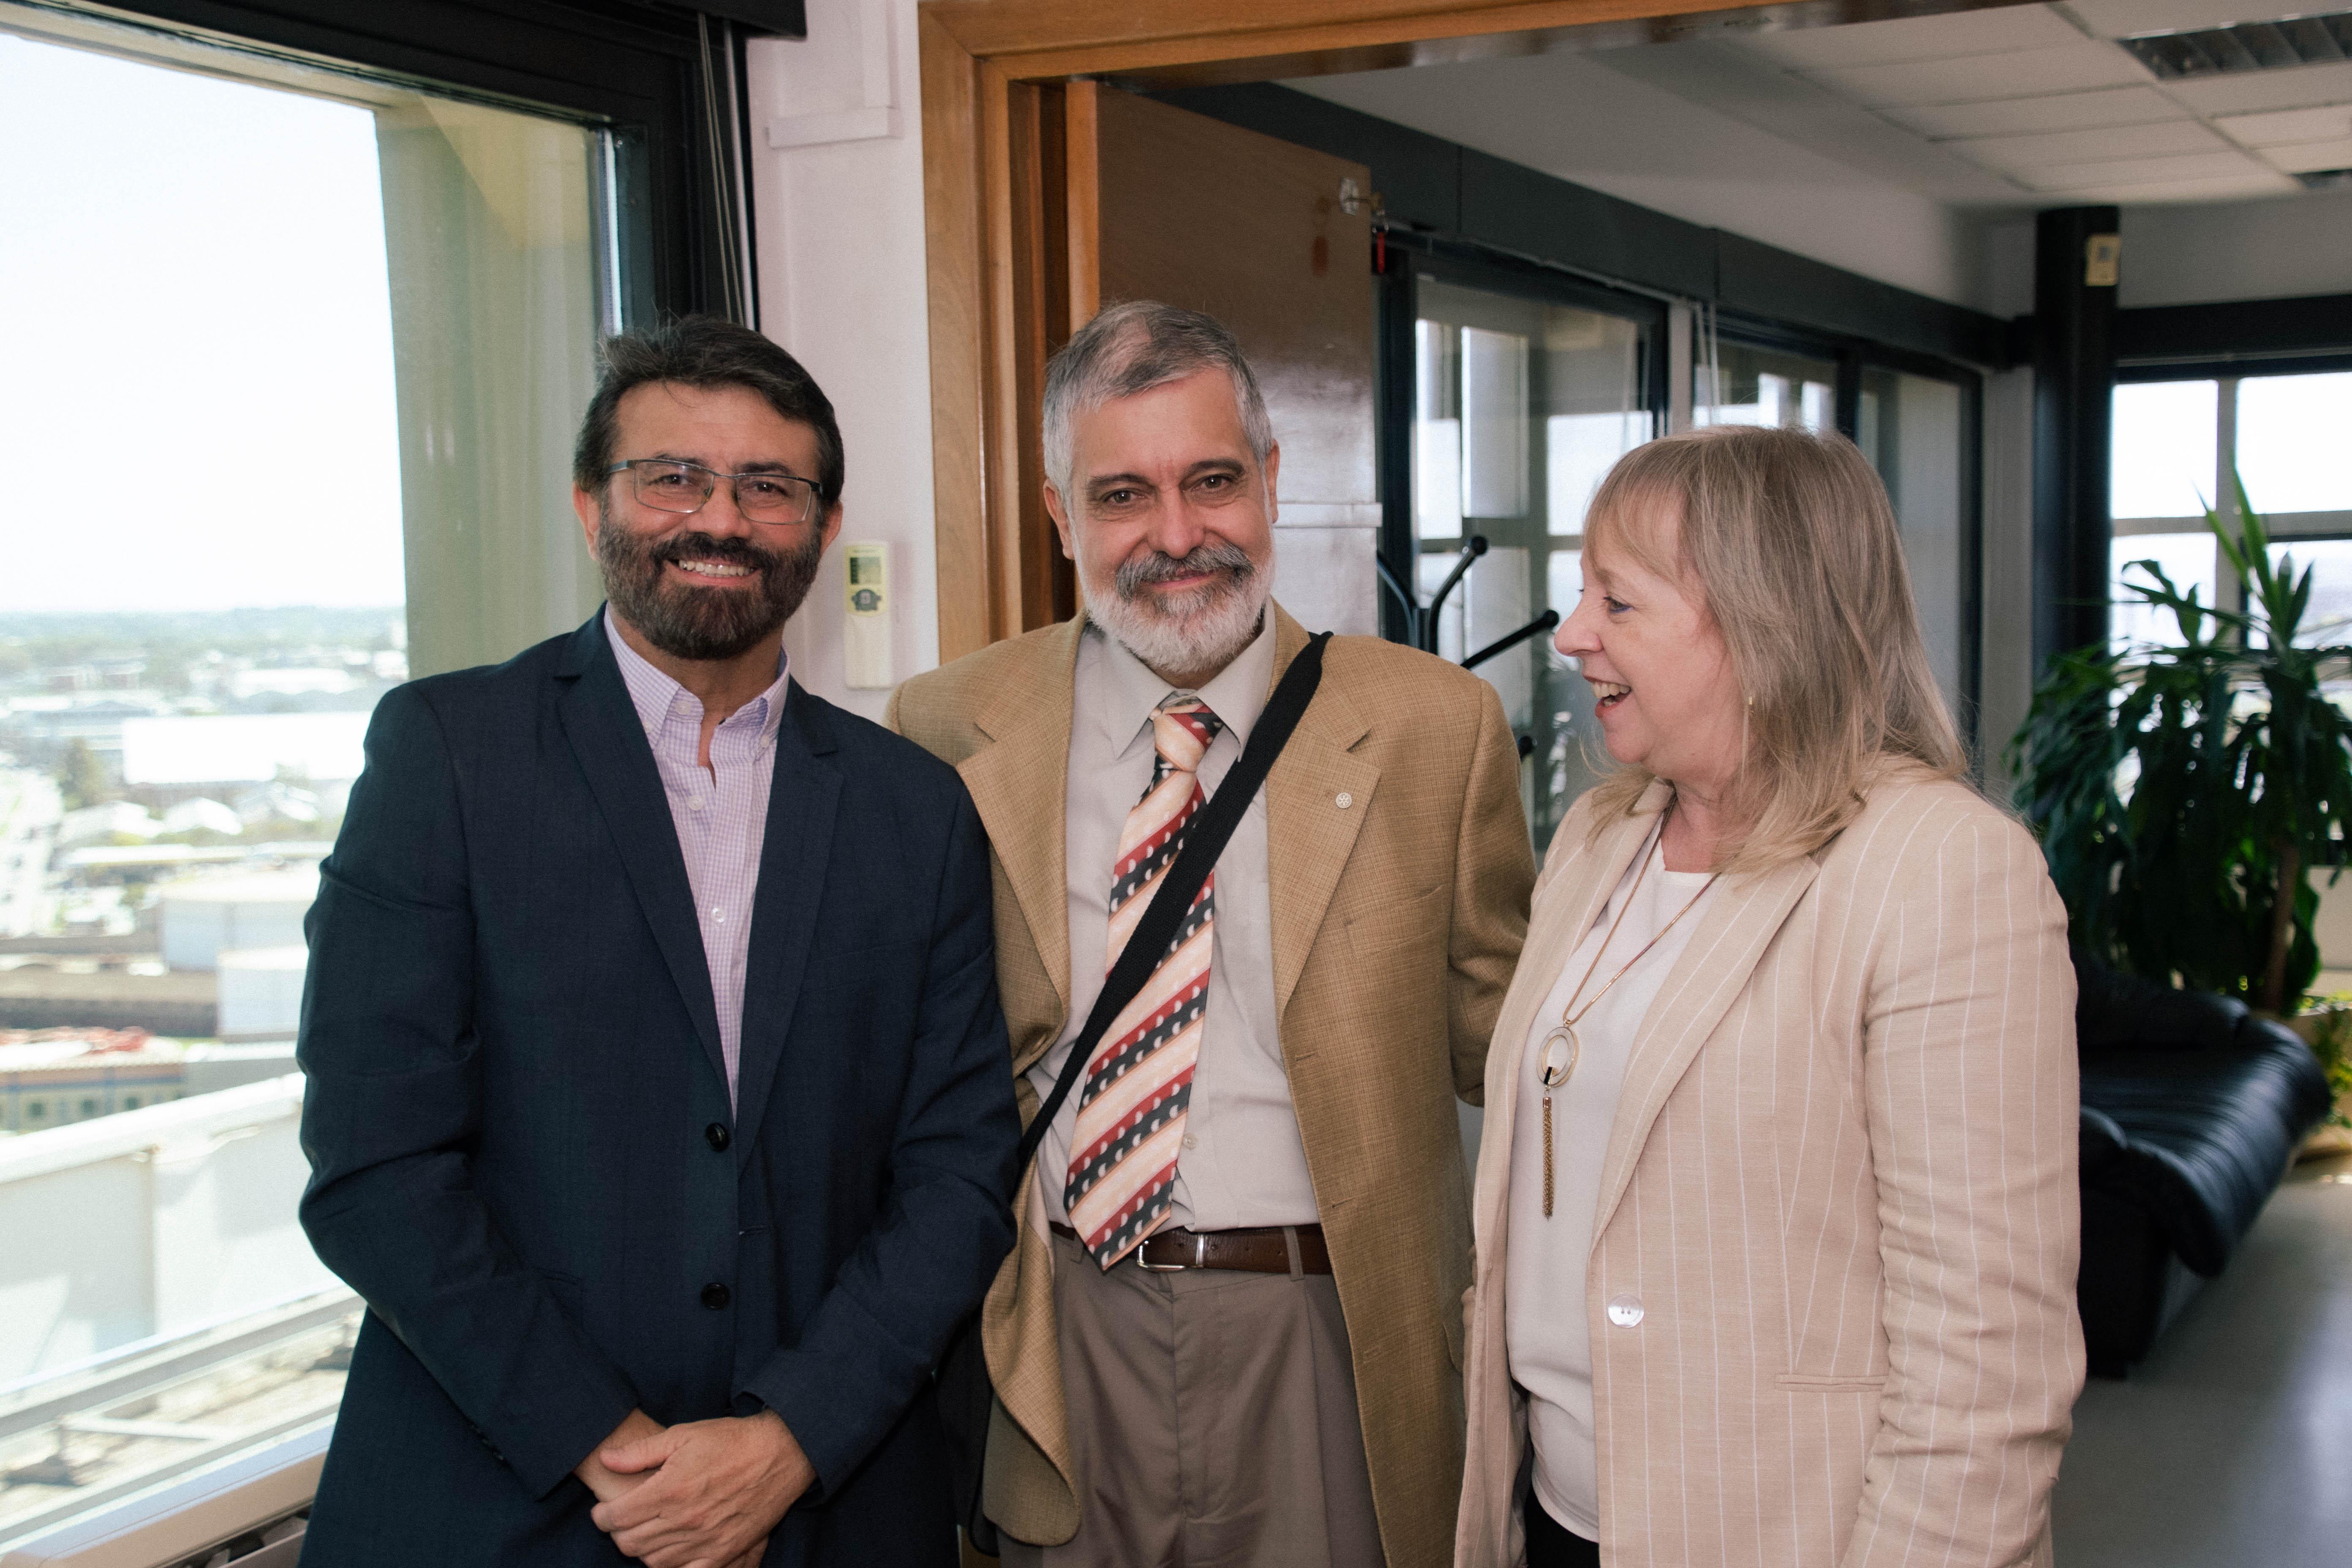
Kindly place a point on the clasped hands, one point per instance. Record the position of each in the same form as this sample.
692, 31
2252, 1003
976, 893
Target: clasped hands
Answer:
702, 1494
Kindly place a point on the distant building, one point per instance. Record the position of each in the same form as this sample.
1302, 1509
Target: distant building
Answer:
242, 748
29, 813
104, 824
54, 1078
57, 1078
261, 991
201, 918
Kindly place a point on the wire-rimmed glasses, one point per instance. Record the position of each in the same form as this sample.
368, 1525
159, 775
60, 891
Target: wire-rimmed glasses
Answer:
666, 484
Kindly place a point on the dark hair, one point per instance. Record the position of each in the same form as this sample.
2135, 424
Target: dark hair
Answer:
703, 352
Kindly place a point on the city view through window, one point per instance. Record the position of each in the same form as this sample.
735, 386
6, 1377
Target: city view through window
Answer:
203, 594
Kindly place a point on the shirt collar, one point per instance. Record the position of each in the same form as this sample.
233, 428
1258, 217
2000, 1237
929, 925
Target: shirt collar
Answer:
1236, 694
656, 697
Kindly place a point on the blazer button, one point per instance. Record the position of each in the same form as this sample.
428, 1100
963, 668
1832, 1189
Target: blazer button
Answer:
716, 1297
718, 1136
1624, 1312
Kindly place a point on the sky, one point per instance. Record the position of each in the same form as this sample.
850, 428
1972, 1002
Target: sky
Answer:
196, 405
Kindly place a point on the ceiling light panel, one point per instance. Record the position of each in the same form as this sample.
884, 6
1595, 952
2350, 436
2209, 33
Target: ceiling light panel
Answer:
2247, 46
2249, 92
2124, 18
2016, 153
2000, 30
2082, 65
2111, 171
2284, 127
2018, 116
2258, 181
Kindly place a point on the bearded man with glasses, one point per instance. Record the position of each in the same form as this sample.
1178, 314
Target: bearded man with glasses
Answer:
657, 1103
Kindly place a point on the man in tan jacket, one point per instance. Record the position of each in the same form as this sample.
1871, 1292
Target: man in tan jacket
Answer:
1230, 1329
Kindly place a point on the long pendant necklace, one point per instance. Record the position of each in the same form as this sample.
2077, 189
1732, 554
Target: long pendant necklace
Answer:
1563, 1037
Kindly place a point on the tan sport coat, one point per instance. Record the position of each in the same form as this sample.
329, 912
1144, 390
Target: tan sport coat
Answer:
1400, 870
1841, 1189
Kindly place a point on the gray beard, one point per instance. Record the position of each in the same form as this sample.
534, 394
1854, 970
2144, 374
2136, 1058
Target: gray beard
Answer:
1206, 629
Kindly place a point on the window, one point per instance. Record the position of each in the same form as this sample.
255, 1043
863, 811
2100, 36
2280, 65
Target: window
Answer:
312, 346
2174, 445
1918, 432
1748, 384
1522, 403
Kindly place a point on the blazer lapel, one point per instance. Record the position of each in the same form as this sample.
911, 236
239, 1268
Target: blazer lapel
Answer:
802, 797
609, 744
1309, 834
1706, 980
1019, 783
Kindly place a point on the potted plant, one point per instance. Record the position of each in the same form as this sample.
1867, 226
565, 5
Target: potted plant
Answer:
2182, 792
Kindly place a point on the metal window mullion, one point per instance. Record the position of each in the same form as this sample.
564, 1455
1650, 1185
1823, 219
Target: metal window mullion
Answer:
2229, 588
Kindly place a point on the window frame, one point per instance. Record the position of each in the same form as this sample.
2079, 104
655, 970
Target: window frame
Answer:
2285, 527
1409, 256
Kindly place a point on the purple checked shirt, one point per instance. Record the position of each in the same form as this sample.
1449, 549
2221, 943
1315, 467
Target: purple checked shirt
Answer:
721, 813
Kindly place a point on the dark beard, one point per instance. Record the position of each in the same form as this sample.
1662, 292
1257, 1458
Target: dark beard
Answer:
703, 623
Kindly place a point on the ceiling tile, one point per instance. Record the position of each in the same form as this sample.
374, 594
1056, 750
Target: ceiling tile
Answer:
2136, 141
2108, 172
2245, 92
2125, 18
2306, 156
2018, 116
1991, 31
2287, 126
2025, 73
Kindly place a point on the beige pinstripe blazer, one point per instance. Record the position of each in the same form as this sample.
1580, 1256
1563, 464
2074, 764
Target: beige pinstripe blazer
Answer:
1842, 1185
1397, 919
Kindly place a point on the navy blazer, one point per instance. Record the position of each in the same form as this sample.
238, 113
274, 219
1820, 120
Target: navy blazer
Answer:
522, 1154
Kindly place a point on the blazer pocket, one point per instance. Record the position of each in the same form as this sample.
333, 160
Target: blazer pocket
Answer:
1794, 1382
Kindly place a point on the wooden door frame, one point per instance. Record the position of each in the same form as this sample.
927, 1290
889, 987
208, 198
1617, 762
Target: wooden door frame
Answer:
1009, 210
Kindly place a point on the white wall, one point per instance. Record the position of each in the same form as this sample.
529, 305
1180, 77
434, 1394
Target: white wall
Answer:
839, 232
2197, 253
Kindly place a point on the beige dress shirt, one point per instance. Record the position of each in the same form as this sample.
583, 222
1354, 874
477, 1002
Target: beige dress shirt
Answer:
1243, 1163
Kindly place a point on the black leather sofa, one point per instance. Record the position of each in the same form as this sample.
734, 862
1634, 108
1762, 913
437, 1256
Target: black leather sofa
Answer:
2192, 1108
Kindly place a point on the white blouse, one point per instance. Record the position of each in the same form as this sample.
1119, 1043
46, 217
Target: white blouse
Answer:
1550, 1339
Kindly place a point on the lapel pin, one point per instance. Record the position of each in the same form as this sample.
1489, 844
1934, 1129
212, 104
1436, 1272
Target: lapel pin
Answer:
1343, 800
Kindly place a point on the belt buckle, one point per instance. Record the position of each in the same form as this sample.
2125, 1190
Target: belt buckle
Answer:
1200, 1256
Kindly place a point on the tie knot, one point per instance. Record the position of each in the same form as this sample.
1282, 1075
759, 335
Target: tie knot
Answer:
1181, 730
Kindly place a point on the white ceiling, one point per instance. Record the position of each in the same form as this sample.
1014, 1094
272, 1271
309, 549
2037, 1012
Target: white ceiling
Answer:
2015, 107
2041, 98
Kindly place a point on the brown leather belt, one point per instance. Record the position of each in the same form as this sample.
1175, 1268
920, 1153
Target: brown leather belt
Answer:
1260, 1249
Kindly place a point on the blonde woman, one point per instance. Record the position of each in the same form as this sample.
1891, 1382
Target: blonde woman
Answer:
1776, 1215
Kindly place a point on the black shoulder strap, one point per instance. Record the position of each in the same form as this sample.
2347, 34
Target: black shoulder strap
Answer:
1204, 840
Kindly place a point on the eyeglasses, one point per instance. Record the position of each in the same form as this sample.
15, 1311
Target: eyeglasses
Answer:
668, 485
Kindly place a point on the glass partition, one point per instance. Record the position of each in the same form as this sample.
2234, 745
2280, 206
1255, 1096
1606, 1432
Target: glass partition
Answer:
1522, 406
1748, 384
1915, 430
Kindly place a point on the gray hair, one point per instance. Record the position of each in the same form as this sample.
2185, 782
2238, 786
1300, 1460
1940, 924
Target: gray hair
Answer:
1131, 348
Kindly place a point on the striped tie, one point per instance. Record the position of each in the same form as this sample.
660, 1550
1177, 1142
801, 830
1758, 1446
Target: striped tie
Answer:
1131, 1115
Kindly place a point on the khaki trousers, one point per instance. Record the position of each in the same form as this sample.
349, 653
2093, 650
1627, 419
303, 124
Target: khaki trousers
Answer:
1212, 1421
